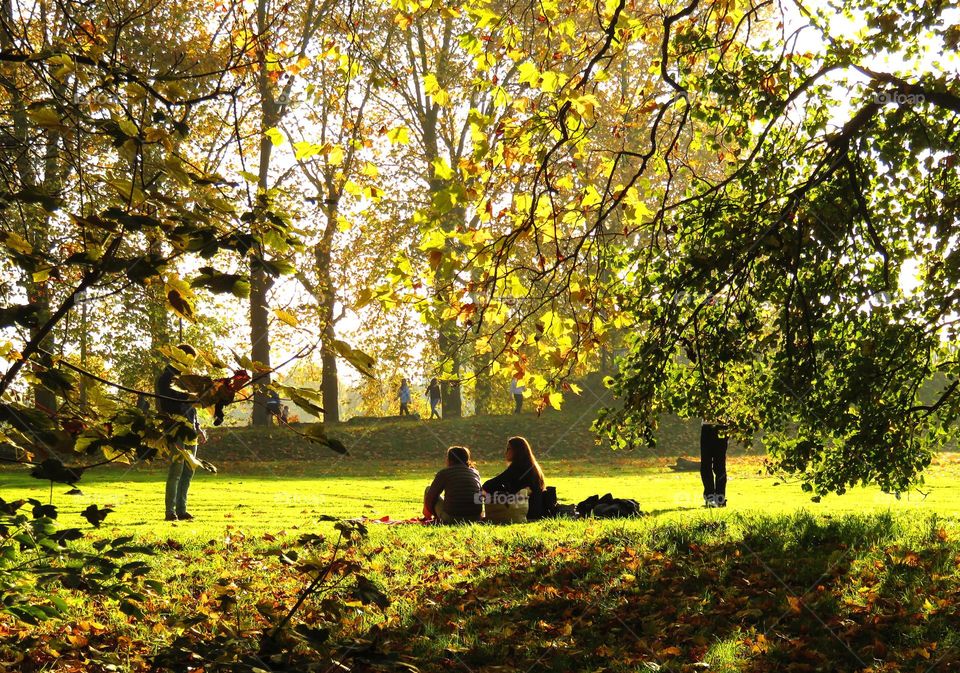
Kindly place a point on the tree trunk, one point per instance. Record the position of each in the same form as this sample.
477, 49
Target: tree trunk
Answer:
452, 400
35, 221
259, 339
43, 399
329, 381
482, 389
158, 323
447, 342
326, 297
84, 326
259, 286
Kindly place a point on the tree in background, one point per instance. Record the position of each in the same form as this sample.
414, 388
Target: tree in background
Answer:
118, 220
779, 297
334, 153
277, 39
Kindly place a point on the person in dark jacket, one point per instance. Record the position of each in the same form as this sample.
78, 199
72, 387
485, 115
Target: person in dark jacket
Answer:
523, 472
433, 392
454, 495
274, 406
177, 403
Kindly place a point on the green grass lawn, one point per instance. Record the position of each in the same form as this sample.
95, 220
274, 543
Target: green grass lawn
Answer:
268, 496
858, 582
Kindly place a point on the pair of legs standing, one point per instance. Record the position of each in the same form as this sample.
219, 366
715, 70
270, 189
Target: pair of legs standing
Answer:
404, 411
433, 408
713, 466
517, 402
179, 477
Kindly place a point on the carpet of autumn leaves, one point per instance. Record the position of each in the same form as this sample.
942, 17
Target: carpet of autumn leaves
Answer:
719, 591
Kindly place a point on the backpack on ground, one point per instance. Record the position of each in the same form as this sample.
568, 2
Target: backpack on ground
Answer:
608, 507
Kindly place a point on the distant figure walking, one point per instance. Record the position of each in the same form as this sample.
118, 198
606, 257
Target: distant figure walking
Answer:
517, 391
433, 392
713, 464
274, 406
404, 395
176, 403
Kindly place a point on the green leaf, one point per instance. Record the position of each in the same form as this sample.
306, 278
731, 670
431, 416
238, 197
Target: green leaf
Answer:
317, 433
362, 362
222, 283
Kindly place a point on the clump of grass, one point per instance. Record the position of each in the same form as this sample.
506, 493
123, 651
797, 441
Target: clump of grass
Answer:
726, 655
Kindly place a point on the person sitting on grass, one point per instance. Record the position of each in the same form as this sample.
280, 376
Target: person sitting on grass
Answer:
454, 496
502, 494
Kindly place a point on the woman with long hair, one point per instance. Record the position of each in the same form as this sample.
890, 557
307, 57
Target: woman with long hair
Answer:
433, 392
503, 492
454, 496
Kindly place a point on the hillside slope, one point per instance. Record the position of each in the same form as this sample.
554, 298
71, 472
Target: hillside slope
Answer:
557, 435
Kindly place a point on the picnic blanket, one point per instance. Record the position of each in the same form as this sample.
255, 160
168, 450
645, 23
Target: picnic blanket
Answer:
387, 521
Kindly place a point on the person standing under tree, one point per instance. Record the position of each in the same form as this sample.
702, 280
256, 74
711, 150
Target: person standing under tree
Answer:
176, 403
404, 395
713, 464
274, 406
517, 391
433, 392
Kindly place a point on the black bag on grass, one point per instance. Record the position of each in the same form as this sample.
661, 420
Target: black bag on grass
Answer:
608, 507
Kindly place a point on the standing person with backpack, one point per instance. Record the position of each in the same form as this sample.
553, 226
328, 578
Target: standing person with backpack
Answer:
176, 403
433, 392
713, 464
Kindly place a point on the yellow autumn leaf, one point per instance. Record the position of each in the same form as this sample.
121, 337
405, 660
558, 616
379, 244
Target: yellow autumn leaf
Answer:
433, 89
517, 288
129, 128
441, 169
45, 117
528, 73
15, 242
584, 106
153, 134
286, 317
399, 135
591, 198
552, 81
556, 399
305, 149
335, 155
276, 136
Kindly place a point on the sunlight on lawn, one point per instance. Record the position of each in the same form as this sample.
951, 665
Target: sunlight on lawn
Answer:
257, 498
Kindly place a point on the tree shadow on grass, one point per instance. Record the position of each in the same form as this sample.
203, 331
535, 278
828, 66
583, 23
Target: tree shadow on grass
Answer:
791, 593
